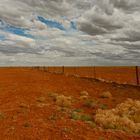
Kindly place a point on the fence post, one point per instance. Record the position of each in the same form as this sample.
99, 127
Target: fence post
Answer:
137, 75
94, 72
62, 69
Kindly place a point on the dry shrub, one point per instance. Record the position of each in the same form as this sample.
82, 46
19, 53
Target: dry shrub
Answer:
126, 117
106, 94
63, 101
81, 116
2, 116
84, 93
41, 99
23, 105
83, 98
90, 103
53, 95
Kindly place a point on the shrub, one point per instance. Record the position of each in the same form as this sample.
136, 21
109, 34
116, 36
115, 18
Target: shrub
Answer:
24, 106
80, 116
106, 94
101, 138
2, 116
84, 93
90, 103
103, 106
53, 95
124, 117
83, 97
78, 110
91, 124
41, 99
53, 117
75, 115
85, 117
63, 101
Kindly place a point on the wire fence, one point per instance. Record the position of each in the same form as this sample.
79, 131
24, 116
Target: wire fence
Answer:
121, 75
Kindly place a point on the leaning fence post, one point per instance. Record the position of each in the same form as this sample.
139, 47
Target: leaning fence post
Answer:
137, 75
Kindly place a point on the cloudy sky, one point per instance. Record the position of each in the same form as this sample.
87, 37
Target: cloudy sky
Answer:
69, 32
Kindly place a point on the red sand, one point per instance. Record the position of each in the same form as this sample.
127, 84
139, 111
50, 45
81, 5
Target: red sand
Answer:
115, 74
23, 117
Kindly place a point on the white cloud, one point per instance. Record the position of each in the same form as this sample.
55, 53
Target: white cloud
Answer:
108, 30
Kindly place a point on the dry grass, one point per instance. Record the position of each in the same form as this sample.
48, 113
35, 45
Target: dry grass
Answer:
126, 117
41, 99
2, 116
83, 98
52, 95
81, 116
63, 101
84, 93
90, 103
106, 94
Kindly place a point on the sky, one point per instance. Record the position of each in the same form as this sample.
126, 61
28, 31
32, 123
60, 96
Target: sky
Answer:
69, 32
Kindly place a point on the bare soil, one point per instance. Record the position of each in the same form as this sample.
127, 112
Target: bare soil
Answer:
28, 108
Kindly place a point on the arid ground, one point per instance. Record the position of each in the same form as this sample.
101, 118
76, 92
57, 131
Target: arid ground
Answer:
38, 105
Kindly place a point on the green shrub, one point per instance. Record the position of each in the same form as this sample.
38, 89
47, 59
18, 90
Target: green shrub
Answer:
78, 110
92, 124
109, 126
89, 103
82, 117
75, 115
85, 117
103, 106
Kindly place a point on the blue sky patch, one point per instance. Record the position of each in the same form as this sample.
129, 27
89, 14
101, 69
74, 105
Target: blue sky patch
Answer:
51, 23
15, 30
73, 25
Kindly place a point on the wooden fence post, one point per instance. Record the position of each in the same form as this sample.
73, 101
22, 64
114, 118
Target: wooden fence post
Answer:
137, 75
63, 69
94, 72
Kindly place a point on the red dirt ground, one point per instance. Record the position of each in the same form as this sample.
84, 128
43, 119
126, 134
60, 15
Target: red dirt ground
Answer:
28, 113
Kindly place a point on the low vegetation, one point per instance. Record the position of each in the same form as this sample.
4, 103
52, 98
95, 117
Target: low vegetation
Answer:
80, 116
2, 116
106, 94
84, 93
41, 99
126, 117
63, 101
90, 103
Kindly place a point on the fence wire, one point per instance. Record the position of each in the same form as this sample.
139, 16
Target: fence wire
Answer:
122, 75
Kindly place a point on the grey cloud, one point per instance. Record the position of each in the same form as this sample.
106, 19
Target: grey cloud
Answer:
127, 5
20, 12
116, 20
113, 25
95, 21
